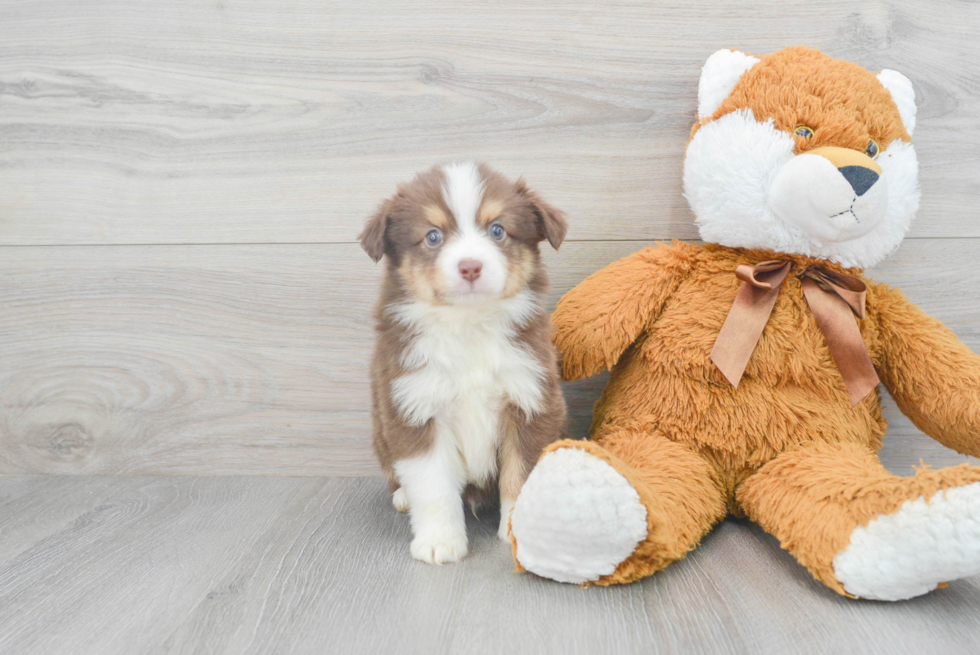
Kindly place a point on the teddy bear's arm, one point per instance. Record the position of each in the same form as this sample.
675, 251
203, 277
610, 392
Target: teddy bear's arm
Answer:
598, 320
933, 377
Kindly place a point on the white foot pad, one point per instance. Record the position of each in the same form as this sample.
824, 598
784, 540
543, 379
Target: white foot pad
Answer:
907, 553
576, 518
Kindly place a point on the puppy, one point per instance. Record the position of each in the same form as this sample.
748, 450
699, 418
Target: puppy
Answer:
464, 384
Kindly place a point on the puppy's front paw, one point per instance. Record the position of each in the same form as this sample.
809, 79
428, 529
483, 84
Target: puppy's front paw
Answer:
400, 500
439, 546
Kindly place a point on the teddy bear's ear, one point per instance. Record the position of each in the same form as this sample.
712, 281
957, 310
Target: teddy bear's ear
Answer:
719, 75
902, 93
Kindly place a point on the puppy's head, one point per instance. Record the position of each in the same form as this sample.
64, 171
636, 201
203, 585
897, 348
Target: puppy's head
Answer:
462, 233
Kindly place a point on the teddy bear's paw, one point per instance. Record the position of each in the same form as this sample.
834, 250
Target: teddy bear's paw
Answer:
911, 551
576, 518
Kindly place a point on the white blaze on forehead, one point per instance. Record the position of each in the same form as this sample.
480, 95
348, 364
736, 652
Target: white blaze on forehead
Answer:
463, 191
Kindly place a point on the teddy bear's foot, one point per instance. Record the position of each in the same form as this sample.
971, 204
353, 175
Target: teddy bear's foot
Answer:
909, 552
576, 518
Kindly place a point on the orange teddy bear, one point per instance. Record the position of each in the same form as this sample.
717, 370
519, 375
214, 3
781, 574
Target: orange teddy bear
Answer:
744, 372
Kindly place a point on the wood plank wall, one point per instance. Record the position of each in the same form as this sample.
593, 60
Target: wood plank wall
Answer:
181, 184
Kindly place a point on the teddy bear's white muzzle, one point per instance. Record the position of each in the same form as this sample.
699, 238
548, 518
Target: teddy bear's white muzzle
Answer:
828, 203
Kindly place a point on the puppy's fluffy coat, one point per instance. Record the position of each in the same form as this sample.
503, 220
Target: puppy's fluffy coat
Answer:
465, 388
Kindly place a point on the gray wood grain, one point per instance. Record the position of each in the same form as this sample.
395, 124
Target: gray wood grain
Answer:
235, 122
33, 508
738, 593
253, 359
272, 566
120, 573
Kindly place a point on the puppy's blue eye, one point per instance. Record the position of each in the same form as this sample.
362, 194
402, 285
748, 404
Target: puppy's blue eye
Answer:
433, 237
497, 231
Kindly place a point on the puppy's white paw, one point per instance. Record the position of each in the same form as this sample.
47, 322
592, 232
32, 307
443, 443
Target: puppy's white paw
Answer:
439, 546
400, 500
502, 531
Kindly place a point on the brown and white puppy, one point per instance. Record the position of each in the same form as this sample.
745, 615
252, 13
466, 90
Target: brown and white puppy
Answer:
464, 386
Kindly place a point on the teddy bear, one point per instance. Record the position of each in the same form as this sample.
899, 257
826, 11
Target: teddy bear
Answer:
745, 371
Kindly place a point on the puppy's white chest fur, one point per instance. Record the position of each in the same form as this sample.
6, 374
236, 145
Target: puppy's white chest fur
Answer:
466, 362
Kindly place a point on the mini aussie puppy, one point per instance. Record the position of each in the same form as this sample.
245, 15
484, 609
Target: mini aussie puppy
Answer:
465, 388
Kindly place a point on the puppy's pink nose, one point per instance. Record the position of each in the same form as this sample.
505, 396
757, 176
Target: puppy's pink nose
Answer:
470, 269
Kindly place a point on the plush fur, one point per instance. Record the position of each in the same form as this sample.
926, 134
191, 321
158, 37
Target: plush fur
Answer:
465, 389
785, 447
746, 172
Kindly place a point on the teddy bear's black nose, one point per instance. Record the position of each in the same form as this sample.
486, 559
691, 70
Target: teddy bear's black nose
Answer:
860, 178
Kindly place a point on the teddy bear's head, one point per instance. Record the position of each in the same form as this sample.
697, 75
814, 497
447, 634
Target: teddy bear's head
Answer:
801, 153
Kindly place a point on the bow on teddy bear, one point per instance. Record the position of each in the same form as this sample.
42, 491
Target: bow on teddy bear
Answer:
805, 161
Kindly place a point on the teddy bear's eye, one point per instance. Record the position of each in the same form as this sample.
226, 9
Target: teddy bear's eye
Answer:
872, 149
803, 131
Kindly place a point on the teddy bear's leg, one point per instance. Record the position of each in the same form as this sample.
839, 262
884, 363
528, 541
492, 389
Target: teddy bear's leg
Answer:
614, 511
862, 530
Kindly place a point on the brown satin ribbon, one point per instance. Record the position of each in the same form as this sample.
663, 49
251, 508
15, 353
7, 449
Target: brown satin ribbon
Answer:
834, 299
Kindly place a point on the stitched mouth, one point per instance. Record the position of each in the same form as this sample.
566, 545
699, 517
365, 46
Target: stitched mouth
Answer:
849, 210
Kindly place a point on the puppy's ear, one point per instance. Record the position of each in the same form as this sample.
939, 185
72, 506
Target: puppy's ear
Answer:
372, 237
550, 219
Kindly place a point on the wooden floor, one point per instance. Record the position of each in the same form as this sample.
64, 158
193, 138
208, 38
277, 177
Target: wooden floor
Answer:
128, 565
